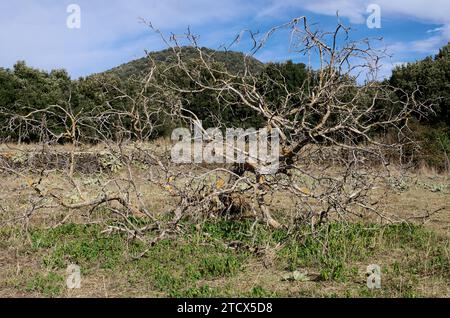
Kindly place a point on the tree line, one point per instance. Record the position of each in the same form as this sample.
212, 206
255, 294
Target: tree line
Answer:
431, 79
23, 90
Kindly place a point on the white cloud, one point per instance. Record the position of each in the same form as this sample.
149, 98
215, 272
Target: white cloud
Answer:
385, 70
110, 31
425, 11
435, 30
422, 10
345, 8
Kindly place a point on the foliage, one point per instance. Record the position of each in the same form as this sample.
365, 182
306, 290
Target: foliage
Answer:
430, 80
431, 77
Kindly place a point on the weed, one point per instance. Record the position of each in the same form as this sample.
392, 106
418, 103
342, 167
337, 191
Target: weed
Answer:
49, 285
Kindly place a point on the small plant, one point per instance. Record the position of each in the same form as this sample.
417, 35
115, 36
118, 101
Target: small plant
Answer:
110, 162
194, 292
260, 292
398, 184
298, 276
19, 158
435, 187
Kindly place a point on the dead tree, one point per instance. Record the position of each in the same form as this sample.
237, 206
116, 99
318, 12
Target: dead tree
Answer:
331, 155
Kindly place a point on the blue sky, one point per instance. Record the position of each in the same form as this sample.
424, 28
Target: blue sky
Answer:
111, 33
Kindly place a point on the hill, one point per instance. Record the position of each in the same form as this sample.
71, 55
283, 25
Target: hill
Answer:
233, 61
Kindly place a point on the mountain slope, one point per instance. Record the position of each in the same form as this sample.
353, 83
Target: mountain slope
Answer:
233, 61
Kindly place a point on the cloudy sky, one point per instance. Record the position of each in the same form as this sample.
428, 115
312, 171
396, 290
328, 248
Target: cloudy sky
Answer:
111, 32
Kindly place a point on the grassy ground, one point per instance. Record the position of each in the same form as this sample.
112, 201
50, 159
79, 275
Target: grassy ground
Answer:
228, 258
208, 262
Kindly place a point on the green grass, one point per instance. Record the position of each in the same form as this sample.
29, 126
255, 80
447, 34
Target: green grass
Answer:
337, 244
200, 263
170, 267
79, 244
48, 285
174, 266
